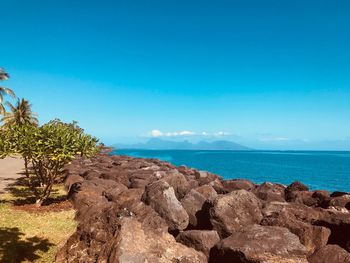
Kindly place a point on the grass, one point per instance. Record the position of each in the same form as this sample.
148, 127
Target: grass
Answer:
31, 236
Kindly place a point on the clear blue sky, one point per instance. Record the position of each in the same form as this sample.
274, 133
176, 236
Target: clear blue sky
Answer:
270, 74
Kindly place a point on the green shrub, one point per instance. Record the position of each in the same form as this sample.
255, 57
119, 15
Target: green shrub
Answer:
46, 150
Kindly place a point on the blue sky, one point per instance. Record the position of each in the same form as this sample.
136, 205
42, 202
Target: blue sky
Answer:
269, 74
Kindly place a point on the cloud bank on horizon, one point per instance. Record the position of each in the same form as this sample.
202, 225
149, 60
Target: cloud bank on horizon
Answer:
157, 133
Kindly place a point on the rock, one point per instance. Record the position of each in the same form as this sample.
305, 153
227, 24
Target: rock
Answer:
339, 224
238, 184
297, 218
330, 254
302, 197
340, 201
113, 193
259, 244
322, 198
135, 244
337, 194
178, 182
233, 211
161, 197
295, 186
270, 192
193, 204
207, 191
201, 240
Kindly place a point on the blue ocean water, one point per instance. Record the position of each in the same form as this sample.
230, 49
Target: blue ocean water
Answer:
317, 169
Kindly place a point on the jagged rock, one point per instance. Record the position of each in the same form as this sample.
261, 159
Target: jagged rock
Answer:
259, 244
193, 203
135, 244
161, 197
339, 224
207, 191
330, 254
295, 186
129, 205
297, 218
302, 197
233, 211
238, 184
178, 182
201, 240
270, 192
340, 201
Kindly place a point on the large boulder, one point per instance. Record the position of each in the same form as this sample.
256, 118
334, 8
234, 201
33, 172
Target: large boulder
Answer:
330, 254
135, 244
201, 240
298, 219
294, 187
193, 204
270, 192
161, 197
259, 244
238, 184
233, 211
178, 182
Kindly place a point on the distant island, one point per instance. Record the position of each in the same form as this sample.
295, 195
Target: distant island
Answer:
159, 144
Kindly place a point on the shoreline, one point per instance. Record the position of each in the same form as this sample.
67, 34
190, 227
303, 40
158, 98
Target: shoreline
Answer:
125, 206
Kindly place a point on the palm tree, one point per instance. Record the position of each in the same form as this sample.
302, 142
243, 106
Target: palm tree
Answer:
4, 91
20, 114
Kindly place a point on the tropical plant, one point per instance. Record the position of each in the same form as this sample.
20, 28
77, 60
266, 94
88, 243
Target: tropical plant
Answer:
19, 114
4, 91
47, 149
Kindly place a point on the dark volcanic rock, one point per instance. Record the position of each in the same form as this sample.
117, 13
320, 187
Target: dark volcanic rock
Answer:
297, 218
233, 211
259, 244
201, 240
238, 184
130, 210
330, 254
193, 203
270, 192
161, 197
293, 187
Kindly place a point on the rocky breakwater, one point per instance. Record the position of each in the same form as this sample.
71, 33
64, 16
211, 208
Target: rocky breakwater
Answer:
146, 210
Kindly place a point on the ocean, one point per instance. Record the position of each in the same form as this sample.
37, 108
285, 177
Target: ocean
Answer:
326, 170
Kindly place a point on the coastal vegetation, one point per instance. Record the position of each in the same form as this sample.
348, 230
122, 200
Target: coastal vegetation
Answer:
45, 149
35, 216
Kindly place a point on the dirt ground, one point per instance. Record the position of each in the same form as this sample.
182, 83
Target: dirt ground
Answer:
10, 170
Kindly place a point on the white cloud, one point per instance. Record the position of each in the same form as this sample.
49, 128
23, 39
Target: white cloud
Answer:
184, 133
156, 133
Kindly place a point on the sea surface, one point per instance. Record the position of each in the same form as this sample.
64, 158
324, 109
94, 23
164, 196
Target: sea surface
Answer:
318, 169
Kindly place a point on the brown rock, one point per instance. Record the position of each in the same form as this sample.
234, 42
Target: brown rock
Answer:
178, 182
207, 191
161, 197
238, 184
330, 254
193, 204
259, 244
135, 244
297, 218
270, 192
233, 211
201, 240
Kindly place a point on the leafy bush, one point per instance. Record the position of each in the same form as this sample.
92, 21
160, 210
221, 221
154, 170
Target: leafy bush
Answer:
46, 149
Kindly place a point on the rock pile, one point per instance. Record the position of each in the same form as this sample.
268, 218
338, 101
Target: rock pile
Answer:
145, 210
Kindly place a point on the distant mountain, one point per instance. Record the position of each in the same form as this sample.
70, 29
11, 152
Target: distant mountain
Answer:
159, 144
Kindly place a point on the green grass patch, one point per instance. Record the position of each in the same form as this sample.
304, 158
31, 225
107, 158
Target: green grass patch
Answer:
27, 236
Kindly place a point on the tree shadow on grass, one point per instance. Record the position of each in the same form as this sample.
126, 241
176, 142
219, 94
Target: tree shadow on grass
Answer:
14, 249
23, 195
